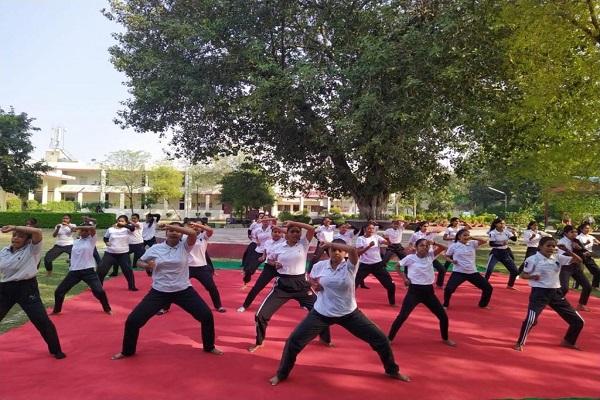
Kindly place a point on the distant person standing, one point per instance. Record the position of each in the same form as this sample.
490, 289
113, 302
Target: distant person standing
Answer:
63, 233
394, 236
117, 251
149, 229
324, 234
588, 241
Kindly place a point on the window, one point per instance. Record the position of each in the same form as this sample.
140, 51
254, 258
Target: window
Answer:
283, 207
296, 207
182, 203
63, 182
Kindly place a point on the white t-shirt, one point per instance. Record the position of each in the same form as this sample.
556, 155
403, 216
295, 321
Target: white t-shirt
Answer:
547, 268
347, 236
497, 236
148, 232
197, 256
373, 255
394, 235
420, 270
420, 235
463, 256
20, 265
451, 232
292, 258
260, 236
65, 235
337, 297
271, 244
137, 236
118, 240
324, 233
587, 241
565, 241
82, 255
171, 273
531, 238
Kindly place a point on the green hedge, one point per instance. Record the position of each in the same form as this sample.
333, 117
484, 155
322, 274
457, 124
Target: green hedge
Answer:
50, 219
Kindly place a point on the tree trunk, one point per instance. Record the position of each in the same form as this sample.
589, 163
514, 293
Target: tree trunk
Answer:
371, 205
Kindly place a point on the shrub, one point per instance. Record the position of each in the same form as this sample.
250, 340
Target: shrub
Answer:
14, 204
50, 219
287, 216
32, 205
61, 206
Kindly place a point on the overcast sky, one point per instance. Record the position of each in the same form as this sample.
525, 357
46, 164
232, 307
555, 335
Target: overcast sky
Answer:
55, 66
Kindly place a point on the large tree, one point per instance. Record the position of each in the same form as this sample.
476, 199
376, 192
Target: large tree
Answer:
17, 174
127, 169
166, 183
246, 188
359, 98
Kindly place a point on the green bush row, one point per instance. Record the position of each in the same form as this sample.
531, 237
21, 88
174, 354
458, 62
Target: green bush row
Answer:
50, 219
287, 216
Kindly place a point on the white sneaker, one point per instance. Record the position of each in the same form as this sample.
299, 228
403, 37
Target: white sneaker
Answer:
241, 309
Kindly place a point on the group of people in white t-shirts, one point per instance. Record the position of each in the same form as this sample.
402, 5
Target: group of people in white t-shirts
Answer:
326, 290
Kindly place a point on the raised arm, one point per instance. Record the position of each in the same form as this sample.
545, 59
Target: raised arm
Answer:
438, 247
190, 232
36, 233
91, 229
203, 228
56, 228
310, 230
351, 250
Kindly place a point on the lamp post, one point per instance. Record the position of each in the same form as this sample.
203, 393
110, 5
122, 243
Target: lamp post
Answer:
505, 196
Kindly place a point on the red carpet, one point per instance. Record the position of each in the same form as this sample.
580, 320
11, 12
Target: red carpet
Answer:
171, 365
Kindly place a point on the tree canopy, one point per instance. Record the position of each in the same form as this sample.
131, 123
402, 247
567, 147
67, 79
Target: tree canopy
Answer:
166, 183
359, 98
17, 173
127, 168
246, 188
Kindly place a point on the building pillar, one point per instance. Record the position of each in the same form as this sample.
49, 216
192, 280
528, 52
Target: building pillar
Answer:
274, 212
207, 202
301, 204
57, 194
102, 187
122, 201
45, 193
328, 205
165, 205
30, 196
187, 196
80, 198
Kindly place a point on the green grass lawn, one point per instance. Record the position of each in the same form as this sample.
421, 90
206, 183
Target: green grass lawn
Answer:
48, 284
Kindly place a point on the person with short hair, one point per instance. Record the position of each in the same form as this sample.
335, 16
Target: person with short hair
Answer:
499, 235
588, 241
63, 233
149, 229
324, 234
18, 283
82, 268
394, 237
421, 232
531, 239
569, 245
259, 236
333, 281
543, 271
170, 284
419, 277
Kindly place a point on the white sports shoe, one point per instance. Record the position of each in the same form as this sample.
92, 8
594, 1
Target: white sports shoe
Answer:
241, 309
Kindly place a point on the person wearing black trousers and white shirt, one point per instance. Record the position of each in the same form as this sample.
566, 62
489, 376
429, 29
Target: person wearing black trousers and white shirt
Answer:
290, 260
136, 242
588, 242
421, 233
63, 233
324, 234
450, 234
569, 245
18, 283
170, 284
346, 233
531, 239
333, 280
499, 235
259, 236
419, 277
371, 263
394, 237
461, 254
248, 252
199, 268
543, 270
149, 229
82, 268
269, 270
117, 251
89, 221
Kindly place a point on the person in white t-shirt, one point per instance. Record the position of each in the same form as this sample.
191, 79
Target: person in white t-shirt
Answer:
461, 254
543, 270
499, 235
249, 251
136, 242
82, 268
324, 234
421, 232
290, 260
588, 241
333, 280
450, 233
18, 283
368, 247
269, 270
346, 233
568, 245
63, 233
531, 239
149, 229
260, 236
117, 250
394, 237
170, 284
419, 277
